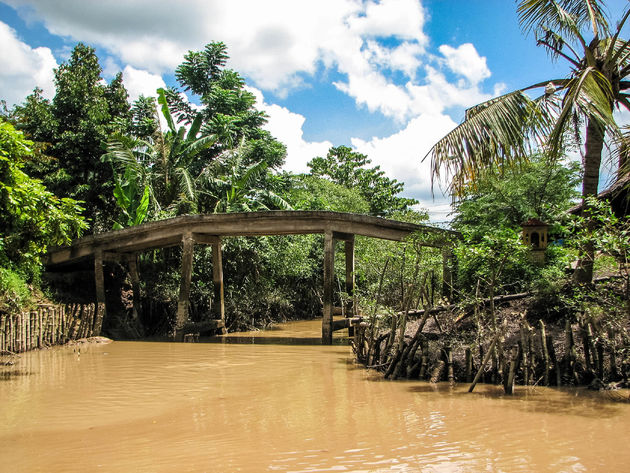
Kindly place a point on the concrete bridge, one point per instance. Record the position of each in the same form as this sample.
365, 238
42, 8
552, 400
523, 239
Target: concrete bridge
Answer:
124, 246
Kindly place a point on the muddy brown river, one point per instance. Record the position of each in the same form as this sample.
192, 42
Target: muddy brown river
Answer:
271, 401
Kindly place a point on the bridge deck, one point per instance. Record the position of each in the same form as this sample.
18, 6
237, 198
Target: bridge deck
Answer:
164, 233
123, 245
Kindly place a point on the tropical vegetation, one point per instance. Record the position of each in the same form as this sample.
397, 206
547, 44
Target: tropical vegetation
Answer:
566, 112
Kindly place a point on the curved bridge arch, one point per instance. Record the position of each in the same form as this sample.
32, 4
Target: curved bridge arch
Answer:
188, 230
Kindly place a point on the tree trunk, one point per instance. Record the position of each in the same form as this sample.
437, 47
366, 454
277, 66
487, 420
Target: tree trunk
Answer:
592, 160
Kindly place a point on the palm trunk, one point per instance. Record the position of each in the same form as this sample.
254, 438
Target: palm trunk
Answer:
592, 160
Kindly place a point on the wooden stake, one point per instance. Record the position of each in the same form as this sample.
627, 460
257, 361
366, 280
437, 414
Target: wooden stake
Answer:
508, 385
448, 352
545, 353
483, 363
554, 360
469, 365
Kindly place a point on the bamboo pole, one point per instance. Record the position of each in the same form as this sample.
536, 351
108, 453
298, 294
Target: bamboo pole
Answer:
545, 353
483, 363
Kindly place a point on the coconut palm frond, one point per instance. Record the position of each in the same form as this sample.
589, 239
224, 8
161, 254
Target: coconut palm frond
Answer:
566, 16
493, 132
615, 47
588, 94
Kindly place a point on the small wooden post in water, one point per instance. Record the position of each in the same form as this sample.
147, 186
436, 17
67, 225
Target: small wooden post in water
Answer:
184, 288
329, 268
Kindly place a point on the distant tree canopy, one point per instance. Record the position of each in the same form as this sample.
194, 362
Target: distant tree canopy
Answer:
349, 168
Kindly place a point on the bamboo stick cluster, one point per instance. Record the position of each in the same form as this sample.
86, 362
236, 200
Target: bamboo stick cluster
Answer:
45, 326
528, 355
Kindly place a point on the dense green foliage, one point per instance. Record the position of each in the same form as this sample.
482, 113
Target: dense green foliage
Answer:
31, 218
73, 128
537, 188
163, 156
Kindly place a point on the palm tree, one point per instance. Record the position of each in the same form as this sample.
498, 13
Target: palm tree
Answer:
506, 129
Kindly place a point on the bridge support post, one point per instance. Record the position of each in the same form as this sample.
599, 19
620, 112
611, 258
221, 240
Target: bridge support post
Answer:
188, 245
351, 305
329, 269
218, 306
132, 264
99, 279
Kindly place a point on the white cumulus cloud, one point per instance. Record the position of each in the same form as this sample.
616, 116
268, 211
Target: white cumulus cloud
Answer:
139, 82
23, 68
465, 61
401, 157
287, 126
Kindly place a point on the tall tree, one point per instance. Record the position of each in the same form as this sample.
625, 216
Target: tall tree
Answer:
75, 125
506, 128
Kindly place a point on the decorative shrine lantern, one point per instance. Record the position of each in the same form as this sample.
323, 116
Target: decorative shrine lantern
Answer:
535, 236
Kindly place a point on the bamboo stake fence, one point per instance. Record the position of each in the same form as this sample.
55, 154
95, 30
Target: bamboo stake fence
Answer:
46, 326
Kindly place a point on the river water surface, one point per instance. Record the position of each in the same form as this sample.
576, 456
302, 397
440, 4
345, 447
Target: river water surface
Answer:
281, 404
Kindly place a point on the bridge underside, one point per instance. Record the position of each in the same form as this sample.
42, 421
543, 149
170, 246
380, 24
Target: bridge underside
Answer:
124, 246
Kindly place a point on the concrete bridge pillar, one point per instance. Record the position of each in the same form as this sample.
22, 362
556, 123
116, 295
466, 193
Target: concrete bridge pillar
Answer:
183, 303
218, 306
99, 279
329, 273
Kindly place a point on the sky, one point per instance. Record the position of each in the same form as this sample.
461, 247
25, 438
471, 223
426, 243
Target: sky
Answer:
386, 77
